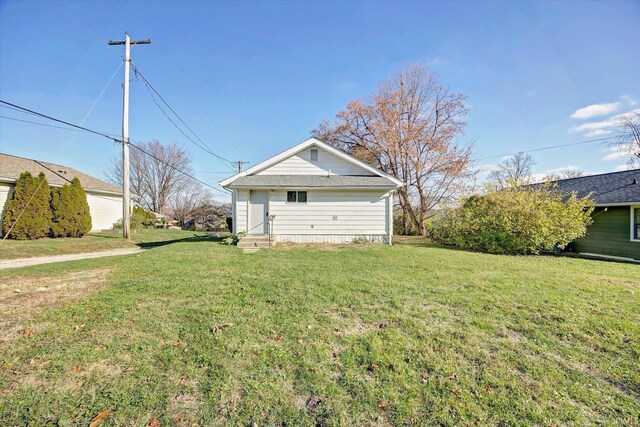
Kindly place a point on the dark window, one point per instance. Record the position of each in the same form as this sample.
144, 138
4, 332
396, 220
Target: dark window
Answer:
291, 196
314, 155
636, 223
302, 197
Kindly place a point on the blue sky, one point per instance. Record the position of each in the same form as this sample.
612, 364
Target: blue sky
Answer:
253, 78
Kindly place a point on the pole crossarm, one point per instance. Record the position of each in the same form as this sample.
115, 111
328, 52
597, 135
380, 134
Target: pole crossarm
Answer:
124, 42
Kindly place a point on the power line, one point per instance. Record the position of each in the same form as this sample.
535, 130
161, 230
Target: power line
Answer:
111, 138
35, 113
551, 147
39, 124
175, 169
153, 90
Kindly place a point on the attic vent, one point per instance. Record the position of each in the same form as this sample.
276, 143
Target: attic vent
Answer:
314, 154
635, 181
62, 171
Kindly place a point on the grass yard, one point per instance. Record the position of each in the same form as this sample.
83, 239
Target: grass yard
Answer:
197, 333
94, 242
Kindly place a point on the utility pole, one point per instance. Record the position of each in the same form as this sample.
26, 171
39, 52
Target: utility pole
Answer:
126, 198
240, 163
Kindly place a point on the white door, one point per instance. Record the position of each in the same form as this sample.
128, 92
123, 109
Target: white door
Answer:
258, 202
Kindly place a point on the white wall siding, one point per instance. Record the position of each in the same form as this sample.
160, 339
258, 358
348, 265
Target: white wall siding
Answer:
105, 210
344, 213
6, 191
242, 203
301, 164
329, 238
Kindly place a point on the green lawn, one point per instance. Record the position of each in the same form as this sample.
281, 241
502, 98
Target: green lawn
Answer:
194, 332
94, 242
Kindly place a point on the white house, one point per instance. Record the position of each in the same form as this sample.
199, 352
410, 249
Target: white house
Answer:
105, 200
313, 193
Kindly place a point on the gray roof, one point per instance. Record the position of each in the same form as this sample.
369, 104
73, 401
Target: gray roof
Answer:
57, 175
615, 187
312, 181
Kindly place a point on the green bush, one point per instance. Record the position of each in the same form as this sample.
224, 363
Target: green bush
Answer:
135, 223
71, 217
83, 207
147, 218
34, 221
525, 220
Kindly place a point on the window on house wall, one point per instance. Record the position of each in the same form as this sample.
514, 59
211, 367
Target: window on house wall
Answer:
314, 154
635, 226
296, 197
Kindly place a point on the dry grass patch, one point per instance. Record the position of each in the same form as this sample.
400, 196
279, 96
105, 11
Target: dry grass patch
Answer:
21, 298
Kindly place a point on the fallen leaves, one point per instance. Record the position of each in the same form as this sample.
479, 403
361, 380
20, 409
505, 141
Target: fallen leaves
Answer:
220, 328
98, 419
383, 406
153, 422
27, 332
373, 367
313, 402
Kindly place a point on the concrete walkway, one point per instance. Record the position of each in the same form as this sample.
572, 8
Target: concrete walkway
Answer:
25, 262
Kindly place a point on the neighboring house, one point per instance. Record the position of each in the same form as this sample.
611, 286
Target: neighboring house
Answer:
313, 193
105, 200
615, 232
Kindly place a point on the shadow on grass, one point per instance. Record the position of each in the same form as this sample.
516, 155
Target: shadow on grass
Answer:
192, 239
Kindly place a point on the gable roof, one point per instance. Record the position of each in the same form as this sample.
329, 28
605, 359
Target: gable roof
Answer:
302, 146
57, 175
607, 188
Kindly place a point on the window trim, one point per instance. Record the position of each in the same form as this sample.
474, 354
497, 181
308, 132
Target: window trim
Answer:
298, 197
632, 210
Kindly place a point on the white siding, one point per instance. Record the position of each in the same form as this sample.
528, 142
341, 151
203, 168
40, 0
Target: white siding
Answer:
242, 202
300, 164
331, 215
5, 194
104, 209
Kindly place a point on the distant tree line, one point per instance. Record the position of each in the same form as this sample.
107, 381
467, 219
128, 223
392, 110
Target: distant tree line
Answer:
36, 210
160, 183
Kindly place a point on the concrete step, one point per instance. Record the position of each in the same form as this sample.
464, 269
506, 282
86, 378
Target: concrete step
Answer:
255, 244
250, 250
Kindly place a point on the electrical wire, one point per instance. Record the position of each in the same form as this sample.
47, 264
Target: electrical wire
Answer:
94, 105
174, 168
118, 140
59, 121
152, 90
551, 147
39, 124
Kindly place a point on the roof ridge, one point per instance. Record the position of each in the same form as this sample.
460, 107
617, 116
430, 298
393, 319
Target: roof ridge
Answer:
39, 161
597, 174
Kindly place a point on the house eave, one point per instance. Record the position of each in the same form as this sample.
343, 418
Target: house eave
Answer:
89, 190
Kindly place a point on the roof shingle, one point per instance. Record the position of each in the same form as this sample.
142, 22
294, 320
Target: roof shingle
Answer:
615, 187
12, 166
312, 181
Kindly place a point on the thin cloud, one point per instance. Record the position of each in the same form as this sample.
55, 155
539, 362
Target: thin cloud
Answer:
602, 125
598, 132
617, 152
595, 110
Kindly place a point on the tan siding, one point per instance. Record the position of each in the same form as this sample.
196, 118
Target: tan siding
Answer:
300, 164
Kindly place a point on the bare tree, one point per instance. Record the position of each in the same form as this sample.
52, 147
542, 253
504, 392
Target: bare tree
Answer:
189, 197
513, 171
570, 173
156, 176
408, 129
628, 140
